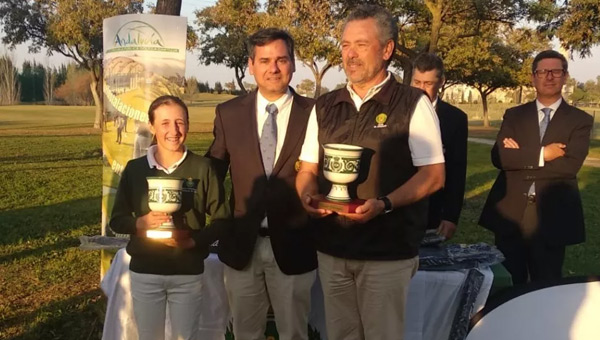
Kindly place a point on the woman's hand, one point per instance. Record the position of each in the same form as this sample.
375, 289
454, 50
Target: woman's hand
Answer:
183, 243
152, 220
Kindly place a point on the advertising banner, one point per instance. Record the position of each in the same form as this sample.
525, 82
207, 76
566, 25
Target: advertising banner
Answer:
144, 58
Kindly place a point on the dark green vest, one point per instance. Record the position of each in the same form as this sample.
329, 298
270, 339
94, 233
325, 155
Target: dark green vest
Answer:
381, 127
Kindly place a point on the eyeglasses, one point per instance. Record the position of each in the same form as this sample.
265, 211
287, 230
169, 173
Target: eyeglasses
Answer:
557, 72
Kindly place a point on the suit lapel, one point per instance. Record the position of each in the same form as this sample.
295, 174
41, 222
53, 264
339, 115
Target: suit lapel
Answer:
558, 121
531, 126
294, 132
250, 138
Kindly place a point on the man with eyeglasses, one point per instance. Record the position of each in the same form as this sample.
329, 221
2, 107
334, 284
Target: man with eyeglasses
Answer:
534, 207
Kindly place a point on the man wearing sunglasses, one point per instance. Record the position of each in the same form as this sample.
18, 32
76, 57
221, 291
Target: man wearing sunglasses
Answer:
534, 207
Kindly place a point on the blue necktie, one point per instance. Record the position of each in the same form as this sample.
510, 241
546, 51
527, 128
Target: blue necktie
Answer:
543, 127
545, 121
268, 139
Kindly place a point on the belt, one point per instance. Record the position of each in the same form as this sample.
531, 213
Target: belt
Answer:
530, 199
264, 232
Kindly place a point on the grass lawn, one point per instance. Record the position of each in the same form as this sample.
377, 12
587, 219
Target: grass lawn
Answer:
50, 193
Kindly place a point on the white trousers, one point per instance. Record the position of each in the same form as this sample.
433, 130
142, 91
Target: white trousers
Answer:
251, 290
152, 294
365, 299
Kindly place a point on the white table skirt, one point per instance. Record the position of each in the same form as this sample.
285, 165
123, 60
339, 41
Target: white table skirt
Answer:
433, 299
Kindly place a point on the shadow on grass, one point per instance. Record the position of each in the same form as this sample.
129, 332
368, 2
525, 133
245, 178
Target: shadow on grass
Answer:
47, 222
50, 168
86, 155
39, 251
78, 317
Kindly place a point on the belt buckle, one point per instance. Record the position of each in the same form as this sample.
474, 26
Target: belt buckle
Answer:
531, 199
263, 232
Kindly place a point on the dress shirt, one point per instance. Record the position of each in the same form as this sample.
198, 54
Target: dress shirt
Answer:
540, 106
284, 107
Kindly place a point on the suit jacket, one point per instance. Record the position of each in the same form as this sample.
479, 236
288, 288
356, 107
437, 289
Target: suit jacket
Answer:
558, 202
446, 203
236, 147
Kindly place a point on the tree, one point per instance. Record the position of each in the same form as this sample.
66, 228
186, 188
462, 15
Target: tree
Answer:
224, 30
249, 86
218, 87
76, 89
576, 23
191, 86
315, 29
10, 89
230, 86
72, 28
528, 43
32, 82
50, 76
306, 88
204, 87
439, 25
168, 7
485, 63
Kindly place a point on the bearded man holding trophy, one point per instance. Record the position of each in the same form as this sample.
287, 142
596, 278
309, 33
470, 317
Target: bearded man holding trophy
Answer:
162, 202
368, 252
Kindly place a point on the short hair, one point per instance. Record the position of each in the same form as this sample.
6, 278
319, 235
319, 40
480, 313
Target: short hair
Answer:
267, 35
425, 62
549, 54
386, 24
166, 100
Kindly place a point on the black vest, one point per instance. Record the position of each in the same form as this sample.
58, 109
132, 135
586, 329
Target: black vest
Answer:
381, 128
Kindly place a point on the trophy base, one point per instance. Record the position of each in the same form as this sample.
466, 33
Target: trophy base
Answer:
166, 233
322, 202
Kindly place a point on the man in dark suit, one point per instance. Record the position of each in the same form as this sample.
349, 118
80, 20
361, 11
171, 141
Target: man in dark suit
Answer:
444, 205
268, 253
534, 207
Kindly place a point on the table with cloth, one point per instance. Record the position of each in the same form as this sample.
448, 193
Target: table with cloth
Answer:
439, 304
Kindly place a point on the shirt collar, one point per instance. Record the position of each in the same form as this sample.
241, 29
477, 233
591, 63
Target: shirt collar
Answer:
435, 102
262, 102
154, 164
554, 106
382, 95
372, 91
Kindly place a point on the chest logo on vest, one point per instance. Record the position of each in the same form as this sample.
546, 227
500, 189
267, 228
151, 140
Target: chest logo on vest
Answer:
190, 185
380, 120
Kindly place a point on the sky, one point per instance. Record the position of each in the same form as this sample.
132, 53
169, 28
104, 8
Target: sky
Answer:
580, 69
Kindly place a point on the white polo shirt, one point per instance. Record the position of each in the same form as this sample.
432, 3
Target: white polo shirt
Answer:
154, 164
424, 137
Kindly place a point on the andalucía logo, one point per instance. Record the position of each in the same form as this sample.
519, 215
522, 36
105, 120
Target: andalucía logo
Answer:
139, 36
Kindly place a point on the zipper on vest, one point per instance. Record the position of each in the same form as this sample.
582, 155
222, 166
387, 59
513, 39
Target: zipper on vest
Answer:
355, 123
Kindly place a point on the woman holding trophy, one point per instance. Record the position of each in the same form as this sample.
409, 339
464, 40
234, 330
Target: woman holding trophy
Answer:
162, 201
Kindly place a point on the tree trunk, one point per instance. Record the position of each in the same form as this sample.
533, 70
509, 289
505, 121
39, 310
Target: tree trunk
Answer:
486, 118
318, 75
407, 71
239, 76
318, 80
97, 94
435, 7
520, 95
168, 7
